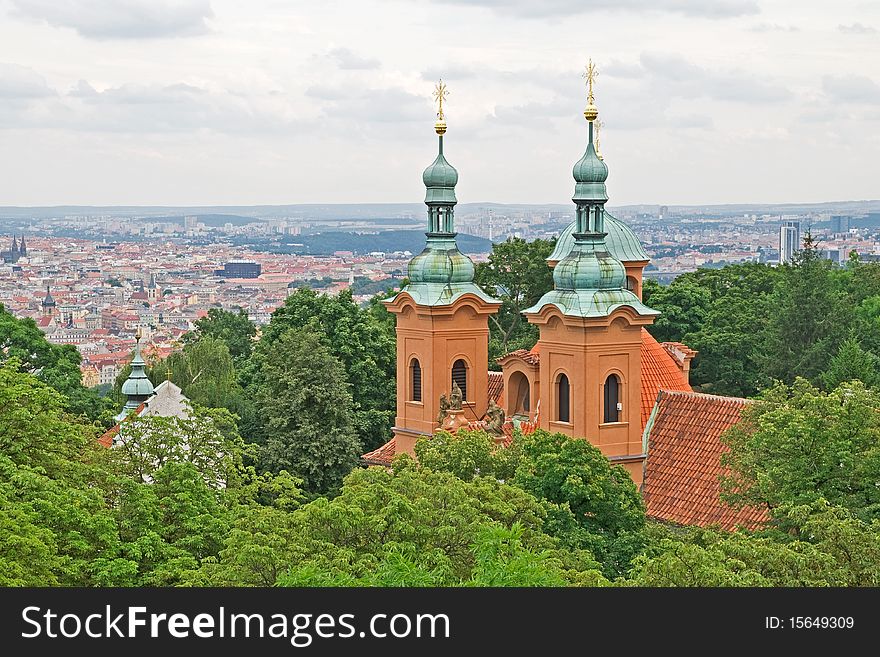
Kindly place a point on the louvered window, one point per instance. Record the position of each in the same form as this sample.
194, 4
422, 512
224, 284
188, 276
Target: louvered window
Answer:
459, 376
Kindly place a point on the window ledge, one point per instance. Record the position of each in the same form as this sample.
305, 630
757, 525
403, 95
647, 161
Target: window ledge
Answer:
613, 424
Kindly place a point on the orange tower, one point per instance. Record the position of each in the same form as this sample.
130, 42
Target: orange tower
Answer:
590, 329
442, 316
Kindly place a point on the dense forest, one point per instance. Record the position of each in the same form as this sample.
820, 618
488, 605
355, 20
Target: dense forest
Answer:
261, 485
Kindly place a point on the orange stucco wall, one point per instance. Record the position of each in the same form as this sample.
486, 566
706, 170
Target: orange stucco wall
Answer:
438, 336
587, 351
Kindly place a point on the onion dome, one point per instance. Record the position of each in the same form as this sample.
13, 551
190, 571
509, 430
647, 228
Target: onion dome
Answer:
589, 266
440, 179
137, 387
441, 262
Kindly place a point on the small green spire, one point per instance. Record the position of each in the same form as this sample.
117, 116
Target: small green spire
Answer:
137, 387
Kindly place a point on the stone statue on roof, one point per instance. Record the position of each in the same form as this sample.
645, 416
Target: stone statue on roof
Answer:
456, 398
444, 409
494, 419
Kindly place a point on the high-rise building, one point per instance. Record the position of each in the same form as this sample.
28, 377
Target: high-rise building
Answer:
789, 240
840, 224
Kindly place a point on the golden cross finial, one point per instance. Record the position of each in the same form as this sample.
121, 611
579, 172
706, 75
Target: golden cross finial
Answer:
590, 75
598, 124
591, 112
440, 94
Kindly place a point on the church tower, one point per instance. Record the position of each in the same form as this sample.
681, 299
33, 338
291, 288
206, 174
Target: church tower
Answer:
48, 304
590, 328
137, 387
442, 316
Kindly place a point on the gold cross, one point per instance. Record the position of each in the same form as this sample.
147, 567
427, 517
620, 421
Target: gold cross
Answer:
590, 75
440, 94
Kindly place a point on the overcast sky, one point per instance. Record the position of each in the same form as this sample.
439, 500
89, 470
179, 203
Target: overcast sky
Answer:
193, 102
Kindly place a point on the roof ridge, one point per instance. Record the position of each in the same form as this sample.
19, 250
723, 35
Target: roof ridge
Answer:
679, 393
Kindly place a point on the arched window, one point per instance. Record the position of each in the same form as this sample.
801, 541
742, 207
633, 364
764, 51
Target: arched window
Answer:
520, 394
631, 283
459, 376
612, 396
563, 399
415, 380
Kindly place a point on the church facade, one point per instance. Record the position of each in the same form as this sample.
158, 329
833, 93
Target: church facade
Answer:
595, 373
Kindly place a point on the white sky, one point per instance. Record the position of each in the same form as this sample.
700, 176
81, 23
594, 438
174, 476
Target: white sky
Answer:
282, 101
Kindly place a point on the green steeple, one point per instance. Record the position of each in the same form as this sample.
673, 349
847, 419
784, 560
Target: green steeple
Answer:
441, 273
137, 387
590, 281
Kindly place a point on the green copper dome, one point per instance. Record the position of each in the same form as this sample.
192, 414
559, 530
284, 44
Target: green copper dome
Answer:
590, 174
440, 179
589, 266
441, 274
441, 262
620, 239
589, 279
590, 169
137, 387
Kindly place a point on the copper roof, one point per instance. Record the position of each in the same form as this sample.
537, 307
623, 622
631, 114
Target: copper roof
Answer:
681, 483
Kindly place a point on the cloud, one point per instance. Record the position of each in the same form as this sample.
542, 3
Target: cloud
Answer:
348, 60
18, 83
530, 113
617, 69
679, 77
857, 28
773, 27
130, 19
715, 9
449, 72
379, 105
851, 89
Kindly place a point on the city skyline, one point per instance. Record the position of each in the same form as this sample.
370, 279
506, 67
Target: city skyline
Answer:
208, 103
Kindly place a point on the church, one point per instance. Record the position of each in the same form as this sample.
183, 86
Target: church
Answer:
595, 373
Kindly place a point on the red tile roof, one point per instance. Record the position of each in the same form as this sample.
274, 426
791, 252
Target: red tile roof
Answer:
496, 386
382, 455
659, 372
531, 356
684, 461
106, 438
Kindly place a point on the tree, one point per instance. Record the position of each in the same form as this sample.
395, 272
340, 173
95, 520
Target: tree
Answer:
590, 506
851, 363
205, 372
517, 274
306, 412
797, 445
364, 346
234, 329
810, 318
57, 365
683, 306
723, 314
208, 439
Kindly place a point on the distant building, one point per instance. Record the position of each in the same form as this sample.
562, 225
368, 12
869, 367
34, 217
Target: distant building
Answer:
789, 240
14, 253
838, 256
840, 224
239, 269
